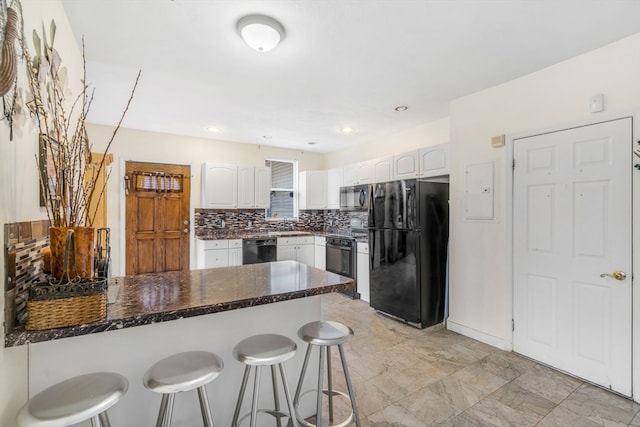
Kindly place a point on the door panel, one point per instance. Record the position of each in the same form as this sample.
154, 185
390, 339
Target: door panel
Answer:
158, 225
393, 275
572, 223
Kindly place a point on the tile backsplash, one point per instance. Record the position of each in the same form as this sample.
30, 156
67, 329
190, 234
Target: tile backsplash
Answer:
24, 243
208, 221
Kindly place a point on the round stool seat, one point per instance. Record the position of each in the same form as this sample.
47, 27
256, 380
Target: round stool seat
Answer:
183, 372
325, 333
266, 349
74, 400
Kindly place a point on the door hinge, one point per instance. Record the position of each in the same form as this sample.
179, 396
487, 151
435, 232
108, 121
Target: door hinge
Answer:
513, 325
513, 164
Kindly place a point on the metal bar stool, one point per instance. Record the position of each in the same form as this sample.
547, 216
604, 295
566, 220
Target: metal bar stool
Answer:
86, 397
183, 372
264, 350
324, 335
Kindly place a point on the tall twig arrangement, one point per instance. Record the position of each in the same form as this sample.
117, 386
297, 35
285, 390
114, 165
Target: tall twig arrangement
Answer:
70, 183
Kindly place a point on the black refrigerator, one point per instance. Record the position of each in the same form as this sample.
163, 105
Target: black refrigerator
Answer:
408, 238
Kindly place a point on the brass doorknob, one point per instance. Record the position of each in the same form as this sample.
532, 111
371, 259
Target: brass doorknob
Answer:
618, 275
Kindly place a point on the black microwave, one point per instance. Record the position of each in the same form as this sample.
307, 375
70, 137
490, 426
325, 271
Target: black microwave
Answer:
354, 198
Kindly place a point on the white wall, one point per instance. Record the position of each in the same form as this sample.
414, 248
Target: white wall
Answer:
480, 296
425, 135
19, 193
134, 145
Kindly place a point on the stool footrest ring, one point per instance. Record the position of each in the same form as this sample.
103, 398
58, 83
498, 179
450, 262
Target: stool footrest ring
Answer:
327, 392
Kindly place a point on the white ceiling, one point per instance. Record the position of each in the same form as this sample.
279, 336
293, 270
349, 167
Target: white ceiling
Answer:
342, 63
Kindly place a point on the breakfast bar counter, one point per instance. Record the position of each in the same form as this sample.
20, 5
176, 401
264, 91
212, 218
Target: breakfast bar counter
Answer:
157, 315
152, 298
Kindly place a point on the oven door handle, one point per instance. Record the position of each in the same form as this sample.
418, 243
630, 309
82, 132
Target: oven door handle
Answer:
342, 248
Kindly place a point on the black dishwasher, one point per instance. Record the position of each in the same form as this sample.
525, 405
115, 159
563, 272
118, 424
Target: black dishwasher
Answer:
258, 250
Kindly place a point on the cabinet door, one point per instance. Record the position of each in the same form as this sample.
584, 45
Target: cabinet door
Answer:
219, 186
407, 165
313, 190
434, 161
286, 253
235, 257
262, 187
334, 182
306, 254
364, 172
349, 175
363, 271
320, 259
382, 169
246, 187
216, 258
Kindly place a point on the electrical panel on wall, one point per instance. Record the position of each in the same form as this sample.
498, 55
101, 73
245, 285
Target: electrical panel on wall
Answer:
478, 189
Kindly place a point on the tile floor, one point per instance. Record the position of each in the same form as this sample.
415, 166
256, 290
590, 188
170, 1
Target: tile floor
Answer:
404, 376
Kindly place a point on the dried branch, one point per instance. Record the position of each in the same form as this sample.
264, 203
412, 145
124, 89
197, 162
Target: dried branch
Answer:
70, 184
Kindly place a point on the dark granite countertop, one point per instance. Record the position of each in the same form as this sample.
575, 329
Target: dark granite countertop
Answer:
262, 234
161, 297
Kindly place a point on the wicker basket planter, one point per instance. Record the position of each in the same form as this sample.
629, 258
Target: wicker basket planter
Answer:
57, 305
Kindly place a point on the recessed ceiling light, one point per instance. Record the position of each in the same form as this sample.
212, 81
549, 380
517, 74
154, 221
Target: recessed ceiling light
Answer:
312, 143
266, 136
401, 108
346, 130
214, 129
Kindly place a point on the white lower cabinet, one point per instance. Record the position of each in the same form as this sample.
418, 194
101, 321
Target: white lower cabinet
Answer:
363, 270
320, 253
235, 252
297, 248
218, 253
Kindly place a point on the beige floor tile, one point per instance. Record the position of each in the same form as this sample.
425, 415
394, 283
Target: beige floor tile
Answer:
466, 387
404, 376
550, 384
600, 406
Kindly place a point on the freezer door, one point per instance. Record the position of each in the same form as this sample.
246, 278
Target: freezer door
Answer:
394, 273
393, 205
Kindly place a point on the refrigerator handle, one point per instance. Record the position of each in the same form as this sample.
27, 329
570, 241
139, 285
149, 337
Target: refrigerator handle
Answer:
372, 249
371, 210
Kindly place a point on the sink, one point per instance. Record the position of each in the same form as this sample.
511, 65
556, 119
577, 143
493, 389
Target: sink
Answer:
286, 233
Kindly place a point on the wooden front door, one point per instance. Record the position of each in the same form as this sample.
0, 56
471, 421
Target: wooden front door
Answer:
158, 227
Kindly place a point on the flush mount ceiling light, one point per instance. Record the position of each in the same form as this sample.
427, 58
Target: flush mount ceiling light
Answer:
260, 32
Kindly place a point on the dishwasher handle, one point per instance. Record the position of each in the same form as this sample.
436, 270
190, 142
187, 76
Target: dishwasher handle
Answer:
261, 242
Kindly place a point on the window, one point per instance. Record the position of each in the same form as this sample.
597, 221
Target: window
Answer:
284, 187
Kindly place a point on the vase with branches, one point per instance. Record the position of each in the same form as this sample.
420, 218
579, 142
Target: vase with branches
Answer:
70, 184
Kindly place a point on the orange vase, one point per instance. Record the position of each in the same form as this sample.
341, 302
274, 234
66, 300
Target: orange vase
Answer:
81, 253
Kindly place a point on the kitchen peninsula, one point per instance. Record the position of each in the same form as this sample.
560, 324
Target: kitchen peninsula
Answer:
156, 315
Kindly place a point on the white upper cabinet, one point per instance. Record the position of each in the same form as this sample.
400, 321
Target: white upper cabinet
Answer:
230, 186
364, 172
349, 175
263, 187
246, 187
358, 173
219, 186
423, 163
334, 182
313, 189
382, 169
254, 185
434, 160
407, 165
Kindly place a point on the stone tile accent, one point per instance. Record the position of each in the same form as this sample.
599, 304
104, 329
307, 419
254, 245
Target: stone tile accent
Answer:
24, 243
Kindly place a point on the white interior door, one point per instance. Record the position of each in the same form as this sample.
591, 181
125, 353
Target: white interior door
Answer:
572, 225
